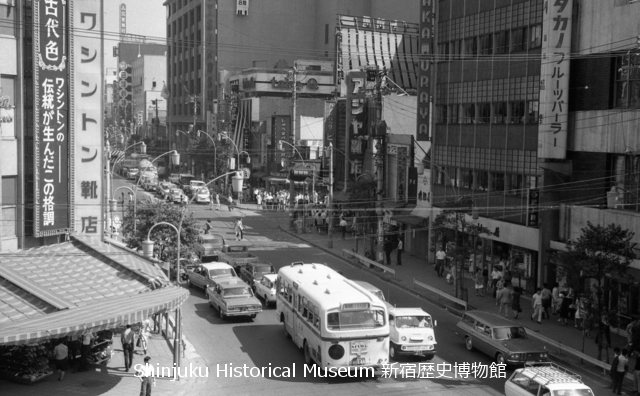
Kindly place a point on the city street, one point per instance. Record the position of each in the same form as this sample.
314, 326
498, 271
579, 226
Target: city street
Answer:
261, 343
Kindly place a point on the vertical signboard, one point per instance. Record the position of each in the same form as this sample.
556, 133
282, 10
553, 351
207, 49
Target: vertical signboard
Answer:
87, 117
554, 79
282, 131
427, 28
51, 118
533, 211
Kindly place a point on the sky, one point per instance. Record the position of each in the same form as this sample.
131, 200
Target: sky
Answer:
144, 17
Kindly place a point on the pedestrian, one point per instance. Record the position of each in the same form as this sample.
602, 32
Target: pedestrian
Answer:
239, 228
536, 302
504, 299
61, 357
230, 199
387, 251
564, 311
400, 247
85, 352
555, 298
578, 316
207, 227
343, 226
441, 257
603, 337
546, 300
479, 283
144, 333
495, 277
620, 369
74, 349
259, 201
515, 304
636, 372
147, 379
613, 369
127, 347
217, 201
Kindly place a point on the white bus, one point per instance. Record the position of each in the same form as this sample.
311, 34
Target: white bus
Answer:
336, 322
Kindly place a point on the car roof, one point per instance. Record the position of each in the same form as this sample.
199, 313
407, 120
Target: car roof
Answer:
230, 281
216, 265
408, 312
492, 319
271, 277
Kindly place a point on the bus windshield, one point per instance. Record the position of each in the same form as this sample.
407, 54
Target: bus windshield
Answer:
413, 321
355, 320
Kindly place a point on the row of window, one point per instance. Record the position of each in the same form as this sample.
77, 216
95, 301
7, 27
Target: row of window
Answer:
482, 180
503, 42
306, 308
514, 112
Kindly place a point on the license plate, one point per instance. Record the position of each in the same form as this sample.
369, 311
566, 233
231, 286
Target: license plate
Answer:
358, 347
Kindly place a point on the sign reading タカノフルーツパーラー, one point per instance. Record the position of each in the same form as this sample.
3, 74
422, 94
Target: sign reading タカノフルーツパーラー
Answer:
51, 118
86, 61
554, 79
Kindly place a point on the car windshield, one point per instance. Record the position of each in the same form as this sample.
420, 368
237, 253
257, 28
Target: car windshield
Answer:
241, 291
355, 320
221, 272
572, 392
507, 333
413, 321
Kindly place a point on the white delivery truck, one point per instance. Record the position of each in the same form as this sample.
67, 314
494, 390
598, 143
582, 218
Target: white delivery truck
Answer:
412, 332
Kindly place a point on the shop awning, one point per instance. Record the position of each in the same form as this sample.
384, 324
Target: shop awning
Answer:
99, 315
410, 219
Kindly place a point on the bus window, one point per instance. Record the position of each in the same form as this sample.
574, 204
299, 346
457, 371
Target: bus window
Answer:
352, 320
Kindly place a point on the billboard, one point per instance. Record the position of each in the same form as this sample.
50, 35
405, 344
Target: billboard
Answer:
554, 79
87, 66
387, 45
427, 29
51, 118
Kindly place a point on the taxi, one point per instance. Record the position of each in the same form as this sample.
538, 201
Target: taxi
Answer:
231, 296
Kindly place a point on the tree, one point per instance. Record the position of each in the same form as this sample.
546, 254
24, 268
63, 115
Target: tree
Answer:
463, 243
150, 213
598, 252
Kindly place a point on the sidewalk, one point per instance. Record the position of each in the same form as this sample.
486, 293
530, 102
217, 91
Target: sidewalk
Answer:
416, 268
112, 380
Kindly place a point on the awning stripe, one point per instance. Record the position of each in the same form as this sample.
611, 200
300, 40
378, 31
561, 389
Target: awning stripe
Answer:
101, 315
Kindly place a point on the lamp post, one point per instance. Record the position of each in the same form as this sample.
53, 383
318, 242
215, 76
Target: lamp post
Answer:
235, 147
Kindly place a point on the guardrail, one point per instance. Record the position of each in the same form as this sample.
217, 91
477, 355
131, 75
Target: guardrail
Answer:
452, 302
368, 262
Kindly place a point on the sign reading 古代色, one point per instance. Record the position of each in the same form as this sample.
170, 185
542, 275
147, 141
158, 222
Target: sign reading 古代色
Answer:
51, 118
87, 116
554, 79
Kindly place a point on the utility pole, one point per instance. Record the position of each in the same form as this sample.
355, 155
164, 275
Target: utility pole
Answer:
294, 108
379, 147
330, 203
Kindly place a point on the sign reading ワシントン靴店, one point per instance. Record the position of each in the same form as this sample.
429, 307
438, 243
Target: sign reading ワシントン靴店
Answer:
554, 79
87, 113
51, 118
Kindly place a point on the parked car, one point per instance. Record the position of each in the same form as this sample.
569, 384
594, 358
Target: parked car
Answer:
195, 186
176, 195
411, 332
504, 340
163, 189
545, 379
265, 289
203, 195
185, 181
205, 274
232, 297
132, 173
252, 272
210, 245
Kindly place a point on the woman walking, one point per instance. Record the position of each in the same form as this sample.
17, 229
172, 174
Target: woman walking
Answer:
479, 283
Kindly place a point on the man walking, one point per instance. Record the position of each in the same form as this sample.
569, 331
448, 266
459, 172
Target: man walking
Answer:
147, 379
61, 356
441, 256
230, 199
400, 247
536, 302
127, 347
217, 201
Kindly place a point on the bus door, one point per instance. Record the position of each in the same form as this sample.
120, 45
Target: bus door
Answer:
298, 321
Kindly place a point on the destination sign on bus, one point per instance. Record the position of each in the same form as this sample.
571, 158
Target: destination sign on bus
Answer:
354, 306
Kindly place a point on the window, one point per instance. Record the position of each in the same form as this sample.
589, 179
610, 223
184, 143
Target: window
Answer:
7, 106
468, 113
454, 49
484, 113
499, 112
517, 112
441, 114
467, 178
514, 184
627, 81
452, 114
497, 181
502, 42
486, 44
9, 224
532, 112
535, 36
470, 46
518, 39
483, 180
7, 20
326, 33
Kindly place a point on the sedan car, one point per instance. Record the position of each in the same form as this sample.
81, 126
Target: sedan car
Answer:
266, 289
164, 188
232, 297
253, 272
133, 173
203, 195
176, 195
502, 339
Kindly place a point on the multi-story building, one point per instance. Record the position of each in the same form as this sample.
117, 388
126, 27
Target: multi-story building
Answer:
148, 76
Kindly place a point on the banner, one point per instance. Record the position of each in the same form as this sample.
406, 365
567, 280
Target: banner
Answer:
427, 29
554, 79
87, 140
51, 118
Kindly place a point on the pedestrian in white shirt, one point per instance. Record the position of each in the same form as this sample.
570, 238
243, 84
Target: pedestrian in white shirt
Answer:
147, 379
536, 302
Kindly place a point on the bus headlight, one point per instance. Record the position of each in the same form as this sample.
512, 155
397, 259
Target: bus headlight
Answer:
336, 351
403, 338
430, 338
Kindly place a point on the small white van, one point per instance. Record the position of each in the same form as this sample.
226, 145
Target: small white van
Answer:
412, 332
